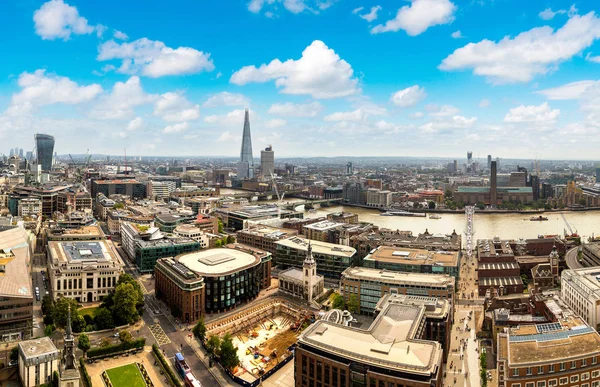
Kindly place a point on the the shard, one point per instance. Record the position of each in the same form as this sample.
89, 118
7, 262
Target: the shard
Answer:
245, 167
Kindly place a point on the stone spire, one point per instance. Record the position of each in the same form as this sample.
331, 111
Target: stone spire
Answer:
309, 259
69, 349
309, 273
246, 163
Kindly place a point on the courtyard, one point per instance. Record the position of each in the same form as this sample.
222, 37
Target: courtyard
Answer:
126, 376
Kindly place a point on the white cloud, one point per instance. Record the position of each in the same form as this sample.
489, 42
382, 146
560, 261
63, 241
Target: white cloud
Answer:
225, 98
357, 10
484, 103
419, 16
416, 115
39, 89
175, 107
135, 124
534, 52
548, 14
457, 35
55, 19
154, 59
441, 111
234, 118
320, 72
293, 6
228, 137
532, 114
372, 15
448, 124
176, 128
573, 90
100, 30
289, 109
359, 114
409, 96
120, 103
275, 123
590, 58
120, 35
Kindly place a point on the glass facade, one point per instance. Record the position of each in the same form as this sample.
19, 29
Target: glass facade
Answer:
44, 144
146, 256
225, 292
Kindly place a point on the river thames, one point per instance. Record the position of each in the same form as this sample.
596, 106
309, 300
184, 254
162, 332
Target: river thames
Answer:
506, 226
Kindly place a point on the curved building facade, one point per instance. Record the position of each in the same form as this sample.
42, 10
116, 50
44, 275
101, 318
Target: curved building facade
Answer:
229, 277
44, 143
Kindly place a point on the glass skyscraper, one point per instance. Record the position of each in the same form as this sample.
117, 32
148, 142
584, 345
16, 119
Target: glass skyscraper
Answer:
245, 167
44, 143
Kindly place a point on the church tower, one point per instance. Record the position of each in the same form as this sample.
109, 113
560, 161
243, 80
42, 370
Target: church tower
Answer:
309, 273
69, 374
554, 263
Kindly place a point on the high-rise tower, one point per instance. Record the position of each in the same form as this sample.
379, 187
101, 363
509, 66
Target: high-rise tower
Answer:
245, 168
493, 185
44, 143
267, 162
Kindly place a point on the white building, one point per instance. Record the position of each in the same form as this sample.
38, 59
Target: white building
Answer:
379, 198
30, 206
130, 232
193, 232
159, 189
85, 271
38, 360
580, 290
303, 283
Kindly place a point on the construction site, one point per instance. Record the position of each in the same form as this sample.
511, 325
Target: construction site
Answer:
263, 334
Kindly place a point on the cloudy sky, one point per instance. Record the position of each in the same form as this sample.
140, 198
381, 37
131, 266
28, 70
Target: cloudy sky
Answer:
320, 77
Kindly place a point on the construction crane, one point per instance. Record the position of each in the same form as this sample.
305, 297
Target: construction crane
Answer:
279, 197
567, 223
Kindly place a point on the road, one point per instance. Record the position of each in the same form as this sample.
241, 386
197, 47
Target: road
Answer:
571, 259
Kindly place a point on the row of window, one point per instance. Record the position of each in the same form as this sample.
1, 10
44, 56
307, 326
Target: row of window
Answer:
563, 367
561, 382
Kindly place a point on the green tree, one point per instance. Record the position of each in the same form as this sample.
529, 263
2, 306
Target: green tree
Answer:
431, 205
480, 206
83, 343
220, 226
218, 243
448, 194
49, 329
47, 305
125, 336
119, 206
124, 311
61, 311
213, 344
128, 279
230, 239
337, 301
200, 329
103, 319
353, 303
229, 357
105, 342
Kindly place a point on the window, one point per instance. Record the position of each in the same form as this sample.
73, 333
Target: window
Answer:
585, 385
585, 376
551, 368
515, 372
595, 374
530, 384
563, 366
573, 364
528, 370
563, 381
516, 385
596, 383
583, 362
540, 370
574, 378
552, 383
594, 360
541, 383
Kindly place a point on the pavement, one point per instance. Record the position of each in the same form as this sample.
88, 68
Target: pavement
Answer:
571, 259
462, 367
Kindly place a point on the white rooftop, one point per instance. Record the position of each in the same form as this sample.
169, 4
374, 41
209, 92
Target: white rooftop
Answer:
214, 262
318, 247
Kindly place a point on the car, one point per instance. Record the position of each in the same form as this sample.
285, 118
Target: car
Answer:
13, 363
45, 285
37, 296
116, 334
37, 290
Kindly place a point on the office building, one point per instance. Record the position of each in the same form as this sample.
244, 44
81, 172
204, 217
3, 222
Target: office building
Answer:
323, 231
44, 145
84, 233
264, 237
236, 218
30, 206
192, 232
145, 244
349, 168
173, 182
84, 270
16, 291
343, 217
379, 198
413, 260
227, 277
128, 187
392, 351
562, 353
267, 162
534, 183
168, 222
331, 259
48, 195
38, 360
498, 272
369, 285
489, 161
303, 283
580, 290
245, 167
158, 190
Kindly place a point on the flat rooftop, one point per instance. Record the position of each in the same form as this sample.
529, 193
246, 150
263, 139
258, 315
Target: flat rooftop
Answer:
587, 280
389, 342
569, 338
324, 225
396, 277
221, 261
405, 256
15, 281
93, 230
37, 347
268, 232
318, 247
83, 251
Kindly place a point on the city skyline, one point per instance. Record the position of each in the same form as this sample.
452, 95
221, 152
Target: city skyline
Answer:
320, 77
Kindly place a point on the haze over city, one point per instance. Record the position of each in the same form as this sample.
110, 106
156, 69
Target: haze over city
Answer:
321, 77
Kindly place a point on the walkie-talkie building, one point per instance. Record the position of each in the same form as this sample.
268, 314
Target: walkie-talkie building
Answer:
44, 143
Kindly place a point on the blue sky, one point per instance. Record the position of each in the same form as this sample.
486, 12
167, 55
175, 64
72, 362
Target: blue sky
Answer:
321, 77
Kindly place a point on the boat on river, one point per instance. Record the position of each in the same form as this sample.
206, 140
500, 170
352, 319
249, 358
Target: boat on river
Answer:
403, 213
538, 218
434, 216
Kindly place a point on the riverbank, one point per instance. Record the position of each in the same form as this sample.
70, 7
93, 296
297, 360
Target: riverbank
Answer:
478, 211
